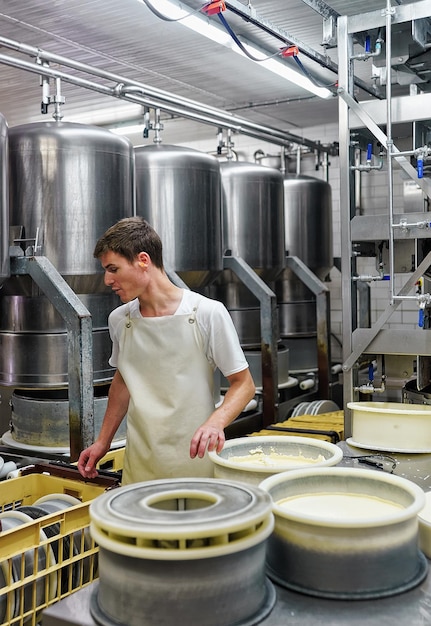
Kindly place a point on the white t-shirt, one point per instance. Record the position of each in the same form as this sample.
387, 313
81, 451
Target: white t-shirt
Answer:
222, 346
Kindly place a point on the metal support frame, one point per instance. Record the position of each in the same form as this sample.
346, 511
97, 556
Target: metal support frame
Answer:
323, 319
269, 332
80, 345
374, 340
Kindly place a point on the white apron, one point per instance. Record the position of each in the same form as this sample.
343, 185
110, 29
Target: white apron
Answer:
170, 382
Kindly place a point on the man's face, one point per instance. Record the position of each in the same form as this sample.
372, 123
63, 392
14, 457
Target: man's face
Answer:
124, 278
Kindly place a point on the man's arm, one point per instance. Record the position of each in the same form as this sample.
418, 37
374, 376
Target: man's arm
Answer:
210, 436
118, 402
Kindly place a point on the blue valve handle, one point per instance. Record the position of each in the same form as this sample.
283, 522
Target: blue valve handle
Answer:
420, 167
367, 43
369, 151
371, 372
421, 318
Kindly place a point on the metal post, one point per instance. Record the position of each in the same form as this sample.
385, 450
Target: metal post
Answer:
80, 346
323, 323
268, 329
345, 50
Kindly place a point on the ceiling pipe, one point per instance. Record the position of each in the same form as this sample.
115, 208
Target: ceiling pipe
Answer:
140, 93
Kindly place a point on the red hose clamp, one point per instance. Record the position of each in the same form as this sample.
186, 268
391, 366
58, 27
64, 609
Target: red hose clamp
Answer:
291, 51
212, 8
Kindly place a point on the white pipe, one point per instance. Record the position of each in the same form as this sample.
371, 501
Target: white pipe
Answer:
7, 468
307, 383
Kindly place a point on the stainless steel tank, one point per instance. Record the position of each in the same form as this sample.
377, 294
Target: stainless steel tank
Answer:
253, 229
178, 191
68, 183
308, 236
4, 201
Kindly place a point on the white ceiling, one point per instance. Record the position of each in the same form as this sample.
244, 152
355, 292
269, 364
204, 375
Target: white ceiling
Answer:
125, 38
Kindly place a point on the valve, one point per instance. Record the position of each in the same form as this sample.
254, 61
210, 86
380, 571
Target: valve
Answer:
420, 166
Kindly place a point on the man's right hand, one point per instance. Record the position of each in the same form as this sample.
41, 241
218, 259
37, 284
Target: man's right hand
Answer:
89, 458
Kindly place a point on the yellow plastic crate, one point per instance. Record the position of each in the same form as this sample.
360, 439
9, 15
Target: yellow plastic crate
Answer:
326, 426
44, 560
112, 461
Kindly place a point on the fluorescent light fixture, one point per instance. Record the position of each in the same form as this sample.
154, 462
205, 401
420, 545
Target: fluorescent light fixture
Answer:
202, 26
175, 11
281, 69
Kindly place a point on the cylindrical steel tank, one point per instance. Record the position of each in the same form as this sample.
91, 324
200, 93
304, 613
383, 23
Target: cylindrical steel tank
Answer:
68, 184
308, 236
4, 201
253, 229
178, 191
40, 419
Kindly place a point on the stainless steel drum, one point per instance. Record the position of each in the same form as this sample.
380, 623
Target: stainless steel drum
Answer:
31, 327
178, 192
253, 229
4, 201
253, 222
182, 551
68, 184
308, 236
40, 419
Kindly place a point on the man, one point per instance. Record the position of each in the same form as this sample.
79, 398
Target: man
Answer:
167, 342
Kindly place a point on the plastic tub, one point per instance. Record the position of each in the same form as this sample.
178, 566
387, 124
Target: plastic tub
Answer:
252, 459
391, 426
345, 533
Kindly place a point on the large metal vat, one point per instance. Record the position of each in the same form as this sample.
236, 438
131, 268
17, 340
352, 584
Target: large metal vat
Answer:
308, 236
4, 201
253, 229
178, 191
68, 184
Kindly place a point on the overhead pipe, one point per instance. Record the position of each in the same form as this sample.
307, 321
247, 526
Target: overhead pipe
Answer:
143, 94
